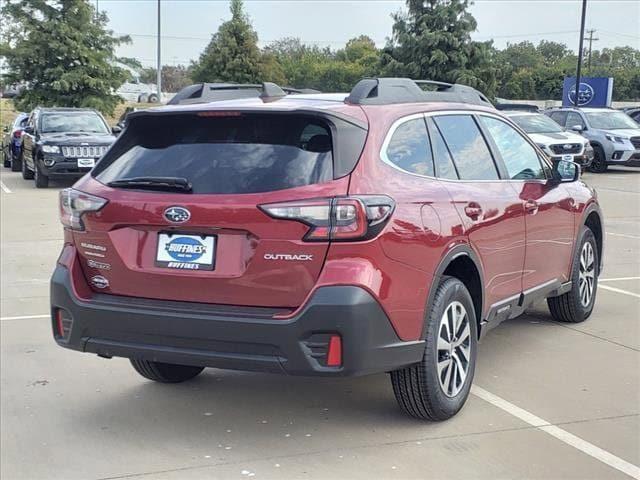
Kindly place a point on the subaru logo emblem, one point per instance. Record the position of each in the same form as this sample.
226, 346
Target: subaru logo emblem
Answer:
177, 214
567, 146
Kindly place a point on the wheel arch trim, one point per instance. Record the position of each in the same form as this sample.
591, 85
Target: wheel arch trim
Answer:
455, 252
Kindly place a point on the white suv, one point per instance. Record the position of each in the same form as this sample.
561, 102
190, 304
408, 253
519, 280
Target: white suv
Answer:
552, 139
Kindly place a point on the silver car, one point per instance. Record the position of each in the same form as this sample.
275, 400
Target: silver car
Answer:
615, 137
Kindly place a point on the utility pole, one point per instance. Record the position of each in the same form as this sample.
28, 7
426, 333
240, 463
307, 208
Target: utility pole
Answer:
591, 40
578, 72
159, 62
97, 10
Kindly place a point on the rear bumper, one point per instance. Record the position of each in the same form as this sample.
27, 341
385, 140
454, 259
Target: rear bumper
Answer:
241, 339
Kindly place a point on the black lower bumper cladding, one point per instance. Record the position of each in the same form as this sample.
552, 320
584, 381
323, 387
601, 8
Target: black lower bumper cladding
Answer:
235, 338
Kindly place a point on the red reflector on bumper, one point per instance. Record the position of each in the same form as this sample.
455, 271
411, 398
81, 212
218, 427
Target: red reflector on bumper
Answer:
334, 354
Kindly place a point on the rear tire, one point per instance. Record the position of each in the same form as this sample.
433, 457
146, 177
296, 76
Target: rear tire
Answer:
165, 372
26, 173
438, 386
599, 163
16, 163
576, 305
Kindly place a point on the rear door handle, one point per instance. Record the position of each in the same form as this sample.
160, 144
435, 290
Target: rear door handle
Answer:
473, 210
531, 206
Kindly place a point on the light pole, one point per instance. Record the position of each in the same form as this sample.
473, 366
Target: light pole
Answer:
159, 62
584, 14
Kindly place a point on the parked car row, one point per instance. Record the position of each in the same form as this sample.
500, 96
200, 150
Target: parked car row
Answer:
595, 138
56, 143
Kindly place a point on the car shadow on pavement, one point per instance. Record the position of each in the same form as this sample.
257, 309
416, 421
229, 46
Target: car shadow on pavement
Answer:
233, 409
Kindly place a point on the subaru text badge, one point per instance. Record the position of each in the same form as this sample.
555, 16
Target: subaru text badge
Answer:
177, 214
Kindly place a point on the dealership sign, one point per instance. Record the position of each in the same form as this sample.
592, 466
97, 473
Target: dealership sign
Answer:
593, 92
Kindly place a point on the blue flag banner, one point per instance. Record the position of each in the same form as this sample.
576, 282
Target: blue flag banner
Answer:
593, 92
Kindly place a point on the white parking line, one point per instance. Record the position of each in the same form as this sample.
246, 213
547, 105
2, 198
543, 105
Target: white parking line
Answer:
4, 188
25, 317
623, 235
619, 290
618, 279
557, 432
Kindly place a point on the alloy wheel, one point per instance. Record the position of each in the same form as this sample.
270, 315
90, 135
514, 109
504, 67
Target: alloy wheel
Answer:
586, 278
454, 349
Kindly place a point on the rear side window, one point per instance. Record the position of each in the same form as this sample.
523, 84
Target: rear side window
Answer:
409, 148
470, 152
225, 155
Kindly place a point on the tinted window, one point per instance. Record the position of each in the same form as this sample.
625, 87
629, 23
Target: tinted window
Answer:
574, 119
409, 148
87, 122
519, 156
467, 146
233, 154
559, 117
441, 155
536, 123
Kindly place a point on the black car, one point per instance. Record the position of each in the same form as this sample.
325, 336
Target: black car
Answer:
63, 143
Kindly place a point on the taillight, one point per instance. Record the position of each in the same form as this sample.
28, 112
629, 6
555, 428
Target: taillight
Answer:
339, 219
74, 204
17, 134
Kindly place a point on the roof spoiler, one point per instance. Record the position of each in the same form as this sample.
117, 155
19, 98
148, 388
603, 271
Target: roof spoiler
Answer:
385, 91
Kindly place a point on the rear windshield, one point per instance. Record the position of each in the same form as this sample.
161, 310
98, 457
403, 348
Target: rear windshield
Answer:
230, 154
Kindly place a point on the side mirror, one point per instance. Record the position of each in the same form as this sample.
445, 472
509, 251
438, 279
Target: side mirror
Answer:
565, 171
28, 130
5, 129
577, 128
116, 129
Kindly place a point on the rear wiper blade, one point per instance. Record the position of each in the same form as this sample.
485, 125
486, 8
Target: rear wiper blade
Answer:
154, 183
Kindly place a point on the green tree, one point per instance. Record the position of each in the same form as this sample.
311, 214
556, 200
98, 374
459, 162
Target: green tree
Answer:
63, 52
432, 40
232, 54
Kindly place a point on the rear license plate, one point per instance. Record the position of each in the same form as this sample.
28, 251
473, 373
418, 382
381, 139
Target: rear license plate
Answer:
186, 252
567, 158
86, 162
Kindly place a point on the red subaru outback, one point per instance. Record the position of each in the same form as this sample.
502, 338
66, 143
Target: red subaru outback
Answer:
335, 235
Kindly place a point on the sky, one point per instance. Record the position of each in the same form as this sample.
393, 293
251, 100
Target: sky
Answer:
187, 25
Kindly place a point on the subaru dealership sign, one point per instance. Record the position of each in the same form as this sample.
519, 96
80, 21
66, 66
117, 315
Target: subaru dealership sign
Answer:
593, 92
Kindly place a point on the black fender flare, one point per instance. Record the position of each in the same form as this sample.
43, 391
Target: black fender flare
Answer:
460, 250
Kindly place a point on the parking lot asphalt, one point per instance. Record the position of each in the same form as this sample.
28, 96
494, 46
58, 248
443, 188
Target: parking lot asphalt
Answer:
550, 400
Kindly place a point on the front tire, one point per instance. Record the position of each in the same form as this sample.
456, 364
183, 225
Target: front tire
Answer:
438, 386
599, 163
576, 305
42, 181
5, 157
165, 372
26, 173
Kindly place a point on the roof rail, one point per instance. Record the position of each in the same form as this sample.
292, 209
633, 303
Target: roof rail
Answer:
208, 92
384, 91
